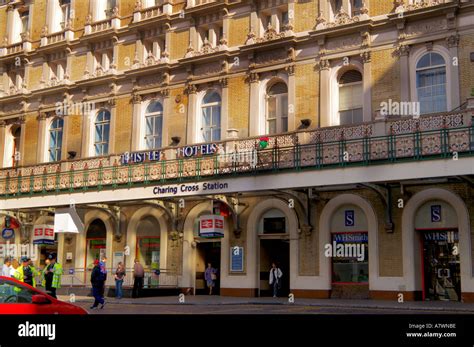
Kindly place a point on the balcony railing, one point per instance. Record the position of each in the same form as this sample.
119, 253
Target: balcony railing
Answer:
431, 137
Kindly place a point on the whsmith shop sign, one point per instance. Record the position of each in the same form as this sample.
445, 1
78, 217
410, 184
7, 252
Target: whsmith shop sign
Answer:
183, 152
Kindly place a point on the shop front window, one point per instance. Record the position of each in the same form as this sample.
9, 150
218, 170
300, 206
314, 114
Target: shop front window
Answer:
149, 252
350, 258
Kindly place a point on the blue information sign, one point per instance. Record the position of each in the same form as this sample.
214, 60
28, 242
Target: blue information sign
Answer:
237, 259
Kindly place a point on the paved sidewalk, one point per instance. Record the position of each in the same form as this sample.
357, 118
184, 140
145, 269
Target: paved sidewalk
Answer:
219, 300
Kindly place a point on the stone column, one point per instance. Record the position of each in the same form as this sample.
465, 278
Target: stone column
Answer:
324, 114
42, 143
367, 86
254, 104
3, 133
291, 98
192, 114
453, 43
403, 51
167, 108
224, 107
113, 123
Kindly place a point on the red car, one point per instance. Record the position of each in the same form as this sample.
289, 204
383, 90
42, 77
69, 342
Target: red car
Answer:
20, 298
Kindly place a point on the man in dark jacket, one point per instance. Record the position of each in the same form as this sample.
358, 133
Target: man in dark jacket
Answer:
98, 278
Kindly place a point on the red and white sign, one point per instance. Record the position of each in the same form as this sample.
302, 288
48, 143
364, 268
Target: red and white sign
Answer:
43, 234
211, 226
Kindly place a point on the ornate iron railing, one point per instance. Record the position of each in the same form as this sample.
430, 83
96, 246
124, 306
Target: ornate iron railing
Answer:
319, 149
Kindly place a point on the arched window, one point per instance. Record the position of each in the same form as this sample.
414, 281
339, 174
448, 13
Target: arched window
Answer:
350, 98
277, 109
431, 83
153, 125
55, 139
102, 133
211, 117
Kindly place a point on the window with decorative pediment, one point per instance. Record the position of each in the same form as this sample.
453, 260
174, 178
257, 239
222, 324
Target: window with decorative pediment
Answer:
340, 12
273, 21
57, 69
210, 36
103, 62
152, 51
15, 81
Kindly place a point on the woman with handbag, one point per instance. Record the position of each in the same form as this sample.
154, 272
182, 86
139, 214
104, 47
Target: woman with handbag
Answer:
210, 275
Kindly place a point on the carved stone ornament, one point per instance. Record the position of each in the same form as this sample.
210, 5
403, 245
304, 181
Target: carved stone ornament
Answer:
324, 64
366, 57
250, 38
88, 19
191, 89
452, 41
190, 51
136, 98
320, 22
253, 77
270, 34
138, 6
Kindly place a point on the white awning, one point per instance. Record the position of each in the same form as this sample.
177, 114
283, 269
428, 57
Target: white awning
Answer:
67, 220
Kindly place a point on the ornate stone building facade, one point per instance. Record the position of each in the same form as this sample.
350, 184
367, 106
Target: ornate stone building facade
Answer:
305, 124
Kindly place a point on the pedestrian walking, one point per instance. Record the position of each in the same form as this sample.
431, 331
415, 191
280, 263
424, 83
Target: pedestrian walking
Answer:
210, 276
119, 277
98, 278
138, 275
275, 279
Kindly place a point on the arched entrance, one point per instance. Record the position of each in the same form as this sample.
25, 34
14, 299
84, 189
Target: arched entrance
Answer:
199, 250
96, 243
208, 251
148, 249
437, 246
349, 219
274, 236
437, 228
348, 252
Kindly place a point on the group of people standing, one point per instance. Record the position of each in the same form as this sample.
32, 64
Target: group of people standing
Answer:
24, 271
99, 277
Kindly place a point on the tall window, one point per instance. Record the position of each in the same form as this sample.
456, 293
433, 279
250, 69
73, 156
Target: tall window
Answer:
211, 117
24, 16
110, 4
65, 11
277, 109
154, 125
350, 98
55, 139
431, 83
16, 133
102, 133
